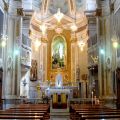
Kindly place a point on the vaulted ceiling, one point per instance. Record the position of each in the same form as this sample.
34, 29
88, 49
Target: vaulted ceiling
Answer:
73, 10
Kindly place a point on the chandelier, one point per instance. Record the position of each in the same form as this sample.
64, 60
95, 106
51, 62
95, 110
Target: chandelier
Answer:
58, 15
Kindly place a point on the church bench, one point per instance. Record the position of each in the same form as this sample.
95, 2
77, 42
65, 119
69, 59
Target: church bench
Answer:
81, 110
85, 111
27, 114
90, 110
105, 119
30, 109
21, 117
99, 113
32, 105
35, 108
81, 107
84, 117
26, 110
80, 113
22, 111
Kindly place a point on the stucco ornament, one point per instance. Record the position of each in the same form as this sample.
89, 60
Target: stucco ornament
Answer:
108, 63
9, 63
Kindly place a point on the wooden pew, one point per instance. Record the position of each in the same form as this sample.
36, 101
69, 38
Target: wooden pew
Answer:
25, 112
106, 119
21, 117
84, 117
84, 112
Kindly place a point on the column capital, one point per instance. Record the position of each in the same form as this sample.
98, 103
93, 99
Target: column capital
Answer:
6, 6
15, 7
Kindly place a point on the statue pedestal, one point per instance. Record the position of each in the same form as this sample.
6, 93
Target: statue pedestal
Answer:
59, 105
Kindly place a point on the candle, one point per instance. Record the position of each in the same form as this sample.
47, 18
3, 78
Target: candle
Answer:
98, 101
95, 99
92, 97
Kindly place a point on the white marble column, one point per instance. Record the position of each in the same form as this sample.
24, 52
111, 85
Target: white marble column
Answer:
12, 75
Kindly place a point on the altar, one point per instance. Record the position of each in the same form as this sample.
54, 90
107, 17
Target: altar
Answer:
59, 104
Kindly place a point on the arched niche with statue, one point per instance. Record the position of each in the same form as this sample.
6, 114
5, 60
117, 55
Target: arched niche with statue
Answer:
59, 80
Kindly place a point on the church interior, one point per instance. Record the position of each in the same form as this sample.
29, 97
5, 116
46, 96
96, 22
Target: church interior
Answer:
60, 59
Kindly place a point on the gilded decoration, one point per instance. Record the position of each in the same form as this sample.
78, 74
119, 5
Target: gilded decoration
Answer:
61, 65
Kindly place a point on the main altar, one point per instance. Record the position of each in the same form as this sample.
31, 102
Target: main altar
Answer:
59, 103
59, 100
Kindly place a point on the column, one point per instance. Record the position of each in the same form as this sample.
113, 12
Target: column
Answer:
12, 69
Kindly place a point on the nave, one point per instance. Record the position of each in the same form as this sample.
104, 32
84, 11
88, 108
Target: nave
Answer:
60, 60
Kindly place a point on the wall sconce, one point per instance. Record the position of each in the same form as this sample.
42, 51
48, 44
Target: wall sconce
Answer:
81, 44
37, 44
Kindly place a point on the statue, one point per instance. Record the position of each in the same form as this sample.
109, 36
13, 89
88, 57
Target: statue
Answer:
59, 81
78, 73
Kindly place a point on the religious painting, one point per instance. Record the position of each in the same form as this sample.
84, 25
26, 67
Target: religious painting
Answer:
58, 52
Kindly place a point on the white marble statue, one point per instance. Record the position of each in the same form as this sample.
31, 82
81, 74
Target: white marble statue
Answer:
58, 80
